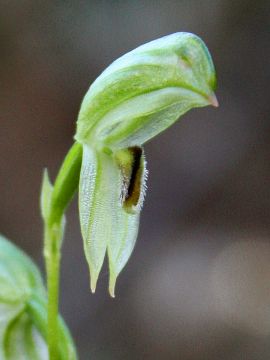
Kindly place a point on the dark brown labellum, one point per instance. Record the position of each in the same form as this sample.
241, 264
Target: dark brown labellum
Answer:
132, 164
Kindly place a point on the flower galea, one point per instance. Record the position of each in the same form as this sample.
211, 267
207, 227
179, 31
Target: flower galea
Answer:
134, 99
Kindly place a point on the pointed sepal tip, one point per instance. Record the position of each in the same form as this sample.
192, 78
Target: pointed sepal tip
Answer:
213, 100
112, 283
93, 283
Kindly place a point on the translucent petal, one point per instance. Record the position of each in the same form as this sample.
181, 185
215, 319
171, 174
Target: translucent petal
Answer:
125, 225
136, 83
104, 222
122, 242
148, 115
98, 186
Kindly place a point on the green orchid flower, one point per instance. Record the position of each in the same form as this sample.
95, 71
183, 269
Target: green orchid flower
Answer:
134, 99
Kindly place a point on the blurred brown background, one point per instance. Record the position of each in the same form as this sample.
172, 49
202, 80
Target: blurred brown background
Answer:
198, 284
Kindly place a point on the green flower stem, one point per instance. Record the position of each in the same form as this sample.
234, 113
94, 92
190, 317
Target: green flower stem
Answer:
66, 183
52, 257
56, 200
